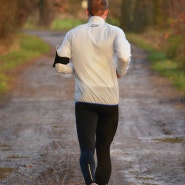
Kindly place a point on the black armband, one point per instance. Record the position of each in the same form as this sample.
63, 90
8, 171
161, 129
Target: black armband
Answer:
60, 60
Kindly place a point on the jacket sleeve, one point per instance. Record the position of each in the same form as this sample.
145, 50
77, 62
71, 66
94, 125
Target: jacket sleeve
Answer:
64, 50
63, 53
65, 68
122, 51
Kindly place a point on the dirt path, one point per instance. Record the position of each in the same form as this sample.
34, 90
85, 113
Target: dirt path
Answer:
38, 142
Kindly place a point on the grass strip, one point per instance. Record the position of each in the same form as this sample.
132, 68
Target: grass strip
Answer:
65, 24
159, 62
29, 48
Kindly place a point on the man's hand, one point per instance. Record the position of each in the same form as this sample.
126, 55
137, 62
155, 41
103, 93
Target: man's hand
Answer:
118, 76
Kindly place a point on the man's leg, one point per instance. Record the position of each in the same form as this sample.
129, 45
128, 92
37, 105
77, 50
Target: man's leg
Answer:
106, 129
86, 122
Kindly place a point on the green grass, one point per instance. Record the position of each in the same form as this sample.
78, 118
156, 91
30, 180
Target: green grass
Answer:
69, 23
31, 24
159, 62
58, 23
61, 24
139, 41
29, 48
168, 68
65, 24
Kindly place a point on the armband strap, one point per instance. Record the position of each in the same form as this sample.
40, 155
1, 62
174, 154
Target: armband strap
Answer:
61, 60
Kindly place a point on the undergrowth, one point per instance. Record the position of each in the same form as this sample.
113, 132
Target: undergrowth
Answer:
29, 48
166, 67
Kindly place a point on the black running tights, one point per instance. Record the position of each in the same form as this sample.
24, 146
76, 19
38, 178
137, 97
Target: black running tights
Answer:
96, 126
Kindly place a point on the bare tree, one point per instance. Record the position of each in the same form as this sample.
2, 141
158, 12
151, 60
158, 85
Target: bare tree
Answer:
13, 14
46, 12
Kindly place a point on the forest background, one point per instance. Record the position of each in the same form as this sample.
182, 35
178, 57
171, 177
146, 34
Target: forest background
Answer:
158, 26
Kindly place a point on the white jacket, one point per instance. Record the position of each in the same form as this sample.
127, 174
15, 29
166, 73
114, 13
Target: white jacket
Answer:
98, 52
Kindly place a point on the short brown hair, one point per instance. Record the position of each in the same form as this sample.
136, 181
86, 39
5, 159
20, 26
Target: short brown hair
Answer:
97, 7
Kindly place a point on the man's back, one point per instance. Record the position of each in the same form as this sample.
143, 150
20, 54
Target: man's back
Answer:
94, 49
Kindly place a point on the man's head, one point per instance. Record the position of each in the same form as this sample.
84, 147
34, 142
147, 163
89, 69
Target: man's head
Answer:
98, 8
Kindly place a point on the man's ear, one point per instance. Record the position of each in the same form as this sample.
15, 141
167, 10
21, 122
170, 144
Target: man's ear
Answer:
105, 13
87, 12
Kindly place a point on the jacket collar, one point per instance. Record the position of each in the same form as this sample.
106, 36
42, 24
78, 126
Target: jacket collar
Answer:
96, 20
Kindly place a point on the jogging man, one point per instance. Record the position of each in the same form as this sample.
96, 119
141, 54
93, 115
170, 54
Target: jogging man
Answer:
96, 53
